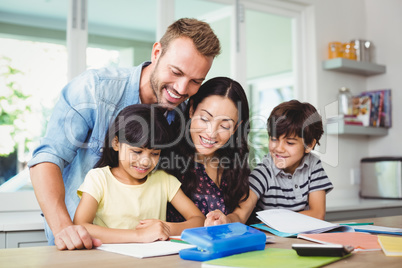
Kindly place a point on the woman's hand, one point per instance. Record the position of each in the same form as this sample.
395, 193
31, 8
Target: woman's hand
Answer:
216, 217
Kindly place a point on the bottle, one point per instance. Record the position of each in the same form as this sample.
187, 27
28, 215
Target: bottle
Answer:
344, 101
334, 50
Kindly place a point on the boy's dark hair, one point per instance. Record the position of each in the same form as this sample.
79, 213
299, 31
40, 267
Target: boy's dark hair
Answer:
139, 125
296, 118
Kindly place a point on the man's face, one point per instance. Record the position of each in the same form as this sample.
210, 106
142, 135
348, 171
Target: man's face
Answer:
179, 73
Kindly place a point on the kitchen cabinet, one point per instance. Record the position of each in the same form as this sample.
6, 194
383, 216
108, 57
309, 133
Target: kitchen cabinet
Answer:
353, 67
19, 239
22, 229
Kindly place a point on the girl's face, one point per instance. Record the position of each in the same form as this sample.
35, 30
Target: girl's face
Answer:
212, 124
135, 163
288, 152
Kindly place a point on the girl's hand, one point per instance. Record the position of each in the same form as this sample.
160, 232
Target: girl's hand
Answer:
152, 230
216, 217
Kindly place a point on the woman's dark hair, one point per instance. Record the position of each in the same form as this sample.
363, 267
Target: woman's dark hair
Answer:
296, 118
139, 125
235, 151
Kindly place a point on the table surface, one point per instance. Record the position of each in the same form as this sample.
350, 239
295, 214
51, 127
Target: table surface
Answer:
51, 257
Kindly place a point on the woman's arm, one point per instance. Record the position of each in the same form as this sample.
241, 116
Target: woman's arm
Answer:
186, 207
85, 215
316, 202
240, 214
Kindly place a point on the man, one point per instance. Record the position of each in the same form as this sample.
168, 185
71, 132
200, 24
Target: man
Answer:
179, 64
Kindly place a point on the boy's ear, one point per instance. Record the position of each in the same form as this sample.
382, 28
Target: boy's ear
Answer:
115, 144
310, 147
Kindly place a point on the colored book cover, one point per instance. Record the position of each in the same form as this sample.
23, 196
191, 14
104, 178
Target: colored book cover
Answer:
271, 257
361, 108
391, 245
360, 241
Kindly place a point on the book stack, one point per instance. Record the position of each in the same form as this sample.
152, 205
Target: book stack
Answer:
373, 108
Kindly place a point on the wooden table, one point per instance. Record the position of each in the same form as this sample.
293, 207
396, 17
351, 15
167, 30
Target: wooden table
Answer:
51, 257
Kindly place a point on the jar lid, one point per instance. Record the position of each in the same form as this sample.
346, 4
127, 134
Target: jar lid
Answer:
343, 89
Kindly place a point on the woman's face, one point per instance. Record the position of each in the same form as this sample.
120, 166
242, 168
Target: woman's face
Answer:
212, 124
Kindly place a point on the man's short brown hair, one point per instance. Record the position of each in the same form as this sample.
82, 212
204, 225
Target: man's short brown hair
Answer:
203, 37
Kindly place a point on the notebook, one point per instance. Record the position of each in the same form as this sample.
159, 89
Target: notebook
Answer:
271, 257
144, 250
360, 241
377, 229
391, 245
287, 223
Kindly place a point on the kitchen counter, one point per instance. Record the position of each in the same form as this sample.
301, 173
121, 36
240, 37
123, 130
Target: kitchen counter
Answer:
21, 221
339, 210
362, 208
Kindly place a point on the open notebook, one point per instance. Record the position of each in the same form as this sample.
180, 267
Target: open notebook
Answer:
287, 223
145, 250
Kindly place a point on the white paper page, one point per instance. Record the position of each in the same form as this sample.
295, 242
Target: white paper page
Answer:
144, 250
288, 221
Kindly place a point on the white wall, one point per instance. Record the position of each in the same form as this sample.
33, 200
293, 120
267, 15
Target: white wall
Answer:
381, 23
384, 26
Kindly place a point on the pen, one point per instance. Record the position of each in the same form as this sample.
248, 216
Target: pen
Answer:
178, 241
357, 223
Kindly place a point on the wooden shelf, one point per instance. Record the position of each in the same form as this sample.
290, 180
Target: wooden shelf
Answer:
339, 128
354, 67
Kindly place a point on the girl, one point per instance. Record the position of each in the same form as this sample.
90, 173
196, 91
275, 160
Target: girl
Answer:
121, 200
214, 148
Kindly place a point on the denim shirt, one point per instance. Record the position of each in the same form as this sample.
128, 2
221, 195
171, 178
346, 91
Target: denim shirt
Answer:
78, 125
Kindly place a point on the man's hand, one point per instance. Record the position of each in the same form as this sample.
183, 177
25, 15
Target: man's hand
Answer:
216, 217
75, 237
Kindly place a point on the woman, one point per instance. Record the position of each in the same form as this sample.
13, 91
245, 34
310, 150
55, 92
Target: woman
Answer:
211, 159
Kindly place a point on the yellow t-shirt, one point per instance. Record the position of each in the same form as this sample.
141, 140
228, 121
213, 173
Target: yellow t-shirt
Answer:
122, 206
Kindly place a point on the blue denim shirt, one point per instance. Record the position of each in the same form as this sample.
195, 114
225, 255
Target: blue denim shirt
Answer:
78, 125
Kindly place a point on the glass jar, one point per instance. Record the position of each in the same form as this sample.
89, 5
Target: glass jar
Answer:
349, 51
344, 101
335, 50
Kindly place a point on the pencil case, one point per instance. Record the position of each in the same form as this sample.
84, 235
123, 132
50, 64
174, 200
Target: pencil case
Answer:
220, 241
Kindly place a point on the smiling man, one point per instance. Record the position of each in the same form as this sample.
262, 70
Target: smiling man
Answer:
72, 145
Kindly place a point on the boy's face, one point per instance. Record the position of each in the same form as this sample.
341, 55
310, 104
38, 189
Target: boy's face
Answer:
287, 152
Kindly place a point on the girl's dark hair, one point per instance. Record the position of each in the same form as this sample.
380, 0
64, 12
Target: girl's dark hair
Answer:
139, 125
235, 151
296, 118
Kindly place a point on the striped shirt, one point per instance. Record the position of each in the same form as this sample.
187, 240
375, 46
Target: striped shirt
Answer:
277, 189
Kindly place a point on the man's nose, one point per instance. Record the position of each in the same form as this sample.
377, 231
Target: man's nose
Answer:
181, 86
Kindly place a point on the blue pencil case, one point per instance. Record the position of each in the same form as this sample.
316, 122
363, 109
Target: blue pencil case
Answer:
220, 241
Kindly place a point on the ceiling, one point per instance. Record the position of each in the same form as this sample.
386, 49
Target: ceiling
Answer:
120, 18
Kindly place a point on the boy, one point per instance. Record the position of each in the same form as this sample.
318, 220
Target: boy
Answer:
289, 176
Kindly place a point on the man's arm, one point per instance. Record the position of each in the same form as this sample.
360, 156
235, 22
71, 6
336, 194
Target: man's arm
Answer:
49, 190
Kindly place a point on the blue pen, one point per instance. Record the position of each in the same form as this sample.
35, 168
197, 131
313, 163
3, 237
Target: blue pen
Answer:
357, 223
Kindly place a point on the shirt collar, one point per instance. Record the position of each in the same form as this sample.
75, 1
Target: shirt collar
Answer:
304, 163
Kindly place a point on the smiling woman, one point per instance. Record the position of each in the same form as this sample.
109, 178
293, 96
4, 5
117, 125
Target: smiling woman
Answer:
213, 148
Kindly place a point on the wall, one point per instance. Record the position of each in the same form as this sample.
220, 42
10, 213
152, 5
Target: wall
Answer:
343, 20
384, 27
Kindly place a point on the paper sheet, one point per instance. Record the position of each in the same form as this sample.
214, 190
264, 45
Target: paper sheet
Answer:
144, 250
290, 222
